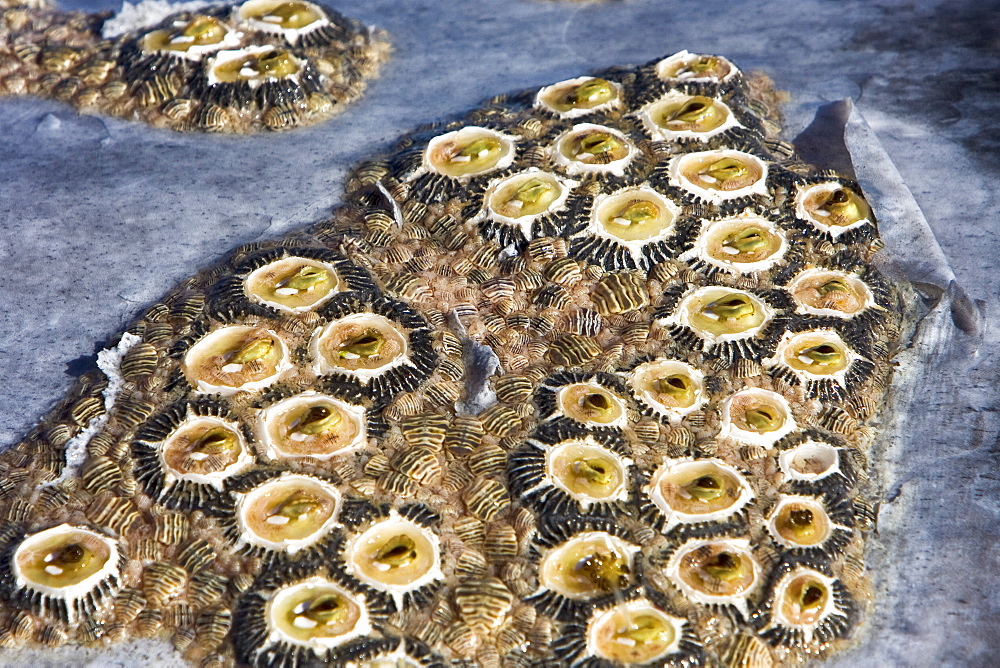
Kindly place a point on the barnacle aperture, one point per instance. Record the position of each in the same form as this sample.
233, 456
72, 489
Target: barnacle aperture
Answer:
469, 152
698, 491
591, 564
201, 34
293, 284
288, 513
670, 387
809, 461
720, 314
830, 293
592, 148
591, 404
720, 175
743, 244
253, 65
803, 599
635, 214
236, 358
204, 450
715, 570
677, 115
817, 353
687, 66
524, 195
800, 521
832, 207
757, 416
633, 633
587, 472
316, 613
312, 425
281, 15
395, 555
362, 345
578, 96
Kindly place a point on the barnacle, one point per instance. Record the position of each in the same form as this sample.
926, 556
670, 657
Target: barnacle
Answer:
541, 392
265, 65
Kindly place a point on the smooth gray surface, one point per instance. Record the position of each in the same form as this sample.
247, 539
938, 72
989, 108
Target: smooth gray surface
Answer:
103, 216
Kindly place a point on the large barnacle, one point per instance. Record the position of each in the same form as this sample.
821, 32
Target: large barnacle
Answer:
291, 19
684, 66
716, 572
810, 461
830, 293
287, 513
807, 606
316, 613
587, 472
677, 116
200, 35
696, 491
739, 245
832, 207
589, 565
593, 148
591, 404
717, 176
521, 198
634, 633
253, 65
804, 523
469, 152
362, 345
312, 425
236, 358
294, 284
668, 387
718, 314
580, 96
204, 450
633, 218
756, 416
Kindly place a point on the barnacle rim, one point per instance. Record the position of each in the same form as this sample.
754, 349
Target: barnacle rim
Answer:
510, 185
559, 569
794, 347
559, 151
545, 95
248, 502
796, 464
588, 462
170, 40
686, 471
642, 379
363, 323
805, 210
571, 400
450, 144
651, 116
316, 290
780, 515
273, 419
225, 338
607, 208
683, 58
204, 424
817, 279
716, 236
739, 592
253, 78
315, 587
692, 305
766, 438
605, 627
682, 177
780, 609
252, 14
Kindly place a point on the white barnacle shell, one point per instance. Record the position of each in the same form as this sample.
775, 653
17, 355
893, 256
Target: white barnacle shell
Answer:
563, 98
571, 153
652, 117
504, 202
775, 412
786, 606
451, 154
693, 172
718, 244
289, 615
177, 42
558, 570
809, 461
700, 311
687, 570
610, 220
330, 346
222, 67
809, 289
300, 17
814, 354
812, 205
278, 428
210, 368
274, 284
689, 67
610, 633
674, 490
266, 515
177, 461
689, 383
590, 403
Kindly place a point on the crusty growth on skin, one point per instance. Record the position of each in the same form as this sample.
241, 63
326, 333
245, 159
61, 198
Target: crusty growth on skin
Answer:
585, 378
261, 65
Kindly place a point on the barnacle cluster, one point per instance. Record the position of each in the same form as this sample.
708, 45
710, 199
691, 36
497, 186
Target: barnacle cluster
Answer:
263, 64
585, 378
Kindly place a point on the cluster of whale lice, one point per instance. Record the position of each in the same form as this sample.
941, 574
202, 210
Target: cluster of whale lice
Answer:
585, 378
263, 64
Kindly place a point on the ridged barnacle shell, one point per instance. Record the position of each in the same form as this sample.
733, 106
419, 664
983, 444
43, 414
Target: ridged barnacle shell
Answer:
685, 66
286, 514
293, 284
588, 148
300, 617
468, 152
190, 450
815, 355
677, 116
719, 571
633, 219
568, 471
806, 606
717, 314
396, 555
742, 244
720, 175
825, 292
253, 66
670, 388
66, 571
191, 39
806, 524
695, 491
236, 358
757, 417
311, 425
832, 207
580, 96
289, 18
520, 199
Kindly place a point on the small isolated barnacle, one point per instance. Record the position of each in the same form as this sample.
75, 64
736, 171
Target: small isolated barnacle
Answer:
520, 199
679, 116
187, 454
594, 401
807, 525
670, 388
626, 223
471, 151
299, 618
286, 513
235, 359
397, 556
312, 425
742, 244
832, 207
588, 148
66, 572
717, 314
815, 356
806, 606
716, 572
580, 96
570, 472
191, 39
293, 284
757, 417
827, 292
689, 67
697, 491
720, 175
290, 19
587, 566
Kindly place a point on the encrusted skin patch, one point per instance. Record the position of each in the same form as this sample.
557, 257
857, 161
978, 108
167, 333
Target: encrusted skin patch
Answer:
259, 65
562, 383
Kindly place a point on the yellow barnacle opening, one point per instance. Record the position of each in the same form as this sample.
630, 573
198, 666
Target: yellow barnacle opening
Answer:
288, 513
800, 522
236, 358
836, 293
282, 15
395, 555
756, 416
815, 354
254, 66
199, 35
362, 345
633, 633
312, 425
722, 569
595, 147
294, 284
316, 613
803, 598
720, 175
698, 491
590, 403
635, 215
743, 244
832, 207
589, 565
61, 558
718, 313
583, 94
527, 194
669, 387
587, 472
811, 460
691, 66
204, 450
679, 115
469, 152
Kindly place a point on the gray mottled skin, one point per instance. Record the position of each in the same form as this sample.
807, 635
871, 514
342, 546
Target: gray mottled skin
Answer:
102, 216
